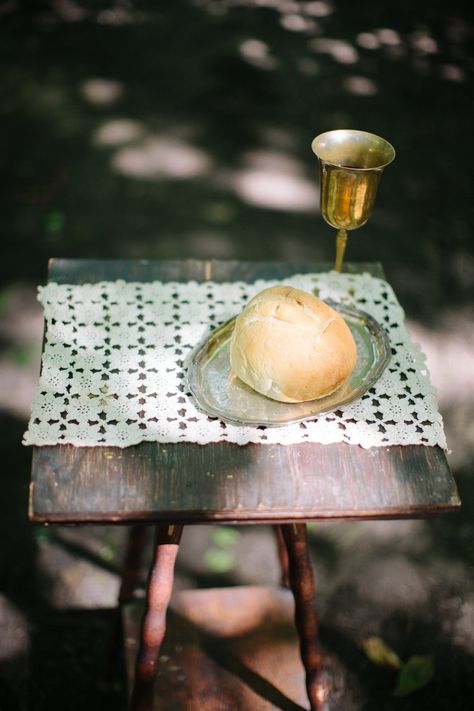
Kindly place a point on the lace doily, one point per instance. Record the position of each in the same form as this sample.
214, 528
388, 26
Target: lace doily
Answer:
113, 370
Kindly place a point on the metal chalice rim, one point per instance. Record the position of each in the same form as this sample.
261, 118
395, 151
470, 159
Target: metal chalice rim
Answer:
353, 131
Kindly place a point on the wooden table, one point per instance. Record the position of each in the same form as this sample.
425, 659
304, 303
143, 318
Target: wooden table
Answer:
175, 484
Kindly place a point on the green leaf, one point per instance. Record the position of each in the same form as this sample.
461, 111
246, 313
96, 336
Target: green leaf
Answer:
225, 536
107, 552
42, 533
54, 222
414, 675
380, 653
219, 560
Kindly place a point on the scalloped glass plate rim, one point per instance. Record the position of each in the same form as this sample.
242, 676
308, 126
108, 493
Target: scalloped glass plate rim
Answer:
209, 359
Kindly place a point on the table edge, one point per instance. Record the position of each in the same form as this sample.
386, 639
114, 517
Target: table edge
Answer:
234, 518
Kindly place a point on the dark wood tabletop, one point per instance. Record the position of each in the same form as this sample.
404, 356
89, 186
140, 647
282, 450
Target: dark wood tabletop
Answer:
224, 482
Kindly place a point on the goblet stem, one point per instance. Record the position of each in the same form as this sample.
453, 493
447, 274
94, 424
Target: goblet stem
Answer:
341, 241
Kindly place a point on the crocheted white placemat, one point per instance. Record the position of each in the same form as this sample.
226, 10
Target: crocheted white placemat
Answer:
113, 369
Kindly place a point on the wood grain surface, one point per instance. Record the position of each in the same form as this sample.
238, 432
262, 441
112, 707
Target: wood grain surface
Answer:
225, 482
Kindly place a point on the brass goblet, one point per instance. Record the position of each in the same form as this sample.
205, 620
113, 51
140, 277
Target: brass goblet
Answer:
351, 165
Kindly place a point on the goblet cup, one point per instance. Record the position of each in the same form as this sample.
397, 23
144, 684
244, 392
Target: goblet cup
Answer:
351, 164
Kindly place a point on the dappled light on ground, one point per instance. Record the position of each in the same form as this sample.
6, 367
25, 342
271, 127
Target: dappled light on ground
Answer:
118, 131
77, 583
101, 92
449, 350
452, 73
274, 180
161, 157
258, 54
361, 86
135, 130
297, 23
378, 37
21, 328
14, 637
338, 49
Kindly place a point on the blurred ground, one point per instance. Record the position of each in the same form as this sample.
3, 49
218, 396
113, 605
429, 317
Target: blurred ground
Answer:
183, 129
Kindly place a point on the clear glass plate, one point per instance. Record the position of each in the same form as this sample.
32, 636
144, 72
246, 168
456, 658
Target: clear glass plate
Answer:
220, 393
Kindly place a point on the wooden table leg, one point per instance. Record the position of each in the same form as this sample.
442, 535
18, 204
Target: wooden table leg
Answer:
132, 564
302, 585
159, 588
283, 557
129, 583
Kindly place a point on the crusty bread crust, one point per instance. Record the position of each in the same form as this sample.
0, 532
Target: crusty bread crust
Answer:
291, 346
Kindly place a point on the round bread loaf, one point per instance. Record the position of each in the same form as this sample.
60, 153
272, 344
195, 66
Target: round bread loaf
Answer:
291, 346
